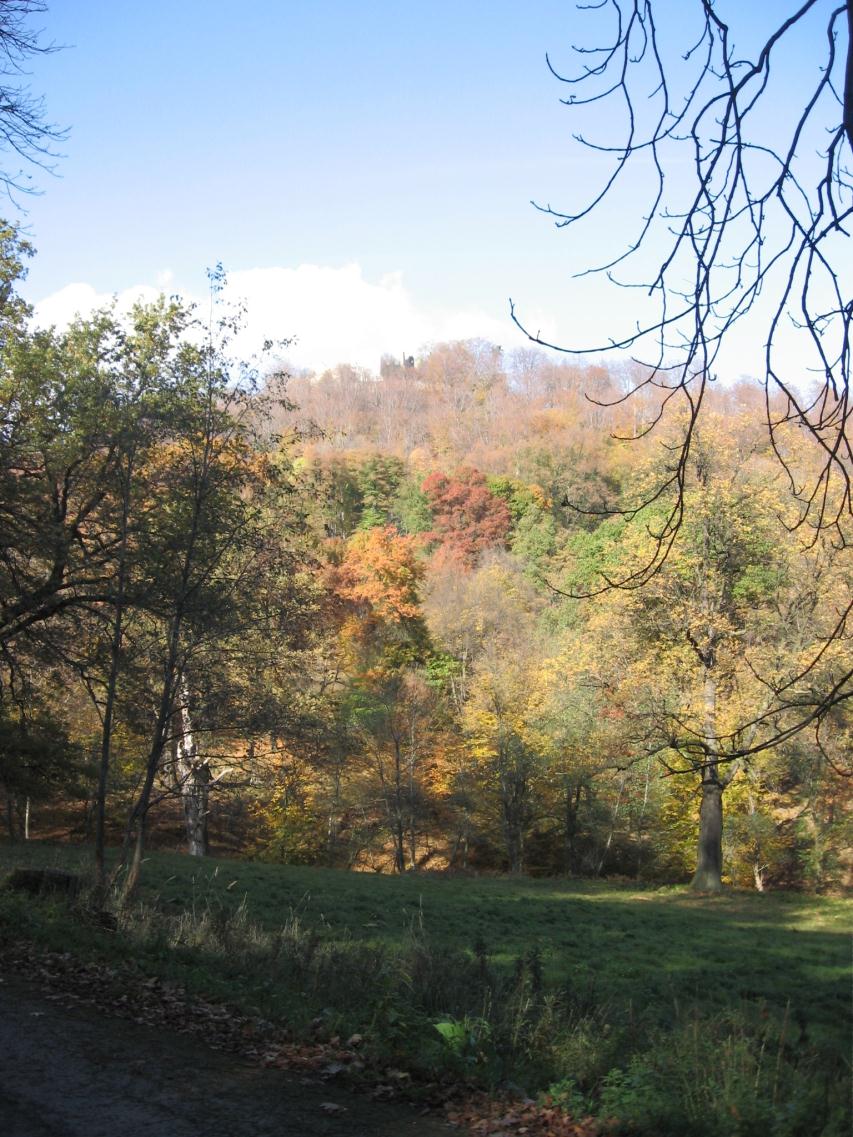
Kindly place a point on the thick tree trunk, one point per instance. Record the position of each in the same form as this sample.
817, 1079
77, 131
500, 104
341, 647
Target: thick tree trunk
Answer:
571, 803
709, 862
460, 844
412, 835
106, 748
758, 865
709, 858
513, 827
333, 828
195, 793
515, 851
399, 846
134, 862
398, 824
514, 801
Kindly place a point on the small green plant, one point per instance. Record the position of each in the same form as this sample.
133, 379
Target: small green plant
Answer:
468, 1039
566, 1095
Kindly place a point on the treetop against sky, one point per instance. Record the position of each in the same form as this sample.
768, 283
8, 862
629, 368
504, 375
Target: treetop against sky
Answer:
364, 172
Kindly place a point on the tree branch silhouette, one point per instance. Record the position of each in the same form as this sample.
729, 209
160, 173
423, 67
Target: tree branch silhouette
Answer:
747, 216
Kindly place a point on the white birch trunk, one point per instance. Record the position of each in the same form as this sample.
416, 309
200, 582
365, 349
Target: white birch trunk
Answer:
193, 777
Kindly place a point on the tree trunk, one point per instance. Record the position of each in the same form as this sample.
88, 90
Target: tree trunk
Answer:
333, 830
412, 797
399, 846
460, 844
709, 863
514, 790
758, 866
193, 778
395, 808
112, 683
106, 748
134, 863
571, 800
131, 863
195, 794
709, 858
513, 831
515, 851
615, 817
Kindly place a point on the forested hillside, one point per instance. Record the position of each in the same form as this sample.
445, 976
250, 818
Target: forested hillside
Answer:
389, 621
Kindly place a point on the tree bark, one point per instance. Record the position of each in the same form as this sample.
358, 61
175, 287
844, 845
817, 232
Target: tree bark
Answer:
709, 862
392, 795
512, 806
131, 861
709, 857
112, 683
193, 777
571, 801
615, 817
412, 797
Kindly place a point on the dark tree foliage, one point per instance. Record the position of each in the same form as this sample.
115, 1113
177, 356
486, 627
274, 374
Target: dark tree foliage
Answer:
746, 219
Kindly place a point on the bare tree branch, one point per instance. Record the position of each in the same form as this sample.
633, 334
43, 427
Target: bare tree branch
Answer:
756, 230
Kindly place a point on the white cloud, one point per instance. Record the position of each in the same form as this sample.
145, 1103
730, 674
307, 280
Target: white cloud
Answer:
333, 314
61, 307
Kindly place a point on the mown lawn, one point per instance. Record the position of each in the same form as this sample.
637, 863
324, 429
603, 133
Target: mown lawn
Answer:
655, 949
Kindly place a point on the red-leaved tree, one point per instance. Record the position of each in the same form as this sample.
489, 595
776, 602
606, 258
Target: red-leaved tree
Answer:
467, 517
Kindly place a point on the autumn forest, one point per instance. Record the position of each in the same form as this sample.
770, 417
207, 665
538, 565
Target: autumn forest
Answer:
391, 622
459, 735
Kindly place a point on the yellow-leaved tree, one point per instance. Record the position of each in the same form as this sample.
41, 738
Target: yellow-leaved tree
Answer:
716, 651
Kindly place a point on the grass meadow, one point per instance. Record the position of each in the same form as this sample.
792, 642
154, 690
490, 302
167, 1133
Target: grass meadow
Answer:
665, 1010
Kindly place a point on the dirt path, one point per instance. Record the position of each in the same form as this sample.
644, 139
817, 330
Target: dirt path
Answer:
76, 1073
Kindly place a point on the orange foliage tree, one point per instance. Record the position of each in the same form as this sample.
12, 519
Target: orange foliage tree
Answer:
380, 572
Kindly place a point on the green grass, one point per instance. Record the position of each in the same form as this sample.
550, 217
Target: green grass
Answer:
617, 941
585, 985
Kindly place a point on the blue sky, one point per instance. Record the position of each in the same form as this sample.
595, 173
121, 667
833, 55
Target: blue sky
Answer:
363, 171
